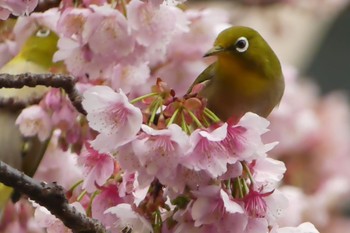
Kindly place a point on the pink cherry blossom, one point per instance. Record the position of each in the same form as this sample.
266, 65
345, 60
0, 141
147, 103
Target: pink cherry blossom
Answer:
256, 225
16, 7
50, 168
111, 114
302, 228
107, 33
97, 168
277, 203
107, 198
18, 217
233, 170
48, 18
9, 49
52, 224
130, 163
160, 151
268, 172
254, 203
204, 26
153, 26
207, 152
265, 204
72, 21
184, 177
129, 219
127, 159
129, 77
211, 204
53, 99
167, 2
80, 60
34, 121
232, 222
4, 13
244, 138
146, 21
65, 115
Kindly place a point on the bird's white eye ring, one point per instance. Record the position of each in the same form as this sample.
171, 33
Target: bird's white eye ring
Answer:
43, 32
242, 44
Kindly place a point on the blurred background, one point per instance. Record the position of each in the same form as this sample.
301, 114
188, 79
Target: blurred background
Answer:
311, 38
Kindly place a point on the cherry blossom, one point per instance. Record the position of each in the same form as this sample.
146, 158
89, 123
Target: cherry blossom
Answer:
112, 115
160, 151
302, 228
97, 168
34, 121
129, 220
129, 77
107, 198
15, 7
211, 204
244, 138
207, 153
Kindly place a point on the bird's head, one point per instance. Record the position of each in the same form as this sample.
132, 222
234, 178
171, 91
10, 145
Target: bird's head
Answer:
245, 45
41, 46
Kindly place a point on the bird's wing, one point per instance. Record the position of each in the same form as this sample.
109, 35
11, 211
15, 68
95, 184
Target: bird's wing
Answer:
10, 140
10, 150
206, 75
20, 153
33, 154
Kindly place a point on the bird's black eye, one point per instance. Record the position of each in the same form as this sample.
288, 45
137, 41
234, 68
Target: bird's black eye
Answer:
242, 44
43, 32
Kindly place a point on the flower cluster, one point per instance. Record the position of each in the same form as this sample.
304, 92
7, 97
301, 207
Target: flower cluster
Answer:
150, 161
179, 167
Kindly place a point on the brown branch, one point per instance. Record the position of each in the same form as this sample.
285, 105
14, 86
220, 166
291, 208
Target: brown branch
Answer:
15, 104
50, 196
66, 82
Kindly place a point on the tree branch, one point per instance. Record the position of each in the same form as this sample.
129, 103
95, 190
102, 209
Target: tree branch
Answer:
50, 196
15, 104
66, 82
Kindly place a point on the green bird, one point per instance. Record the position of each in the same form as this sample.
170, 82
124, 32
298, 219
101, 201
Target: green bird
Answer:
246, 77
22, 153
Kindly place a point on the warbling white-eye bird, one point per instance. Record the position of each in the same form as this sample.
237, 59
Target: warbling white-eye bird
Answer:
246, 76
22, 153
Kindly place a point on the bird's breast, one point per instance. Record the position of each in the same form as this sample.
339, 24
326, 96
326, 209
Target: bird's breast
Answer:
237, 89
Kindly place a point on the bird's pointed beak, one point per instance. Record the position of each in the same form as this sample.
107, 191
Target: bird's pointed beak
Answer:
213, 51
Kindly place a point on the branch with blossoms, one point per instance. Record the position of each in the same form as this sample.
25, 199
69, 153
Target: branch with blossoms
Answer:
146, 158
52, 197
66, 82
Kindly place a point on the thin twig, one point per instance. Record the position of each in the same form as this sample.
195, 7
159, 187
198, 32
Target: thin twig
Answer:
50, 196
66, 82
